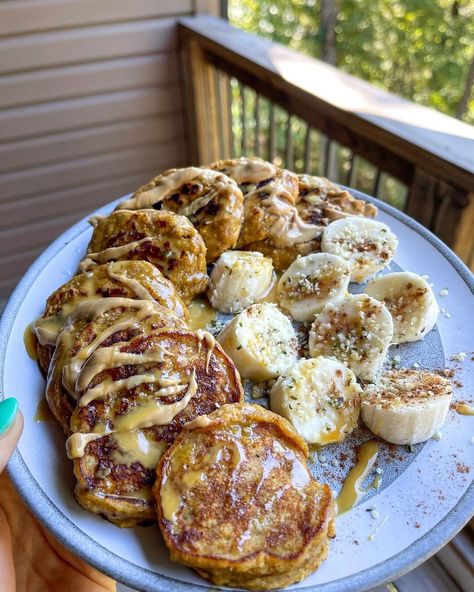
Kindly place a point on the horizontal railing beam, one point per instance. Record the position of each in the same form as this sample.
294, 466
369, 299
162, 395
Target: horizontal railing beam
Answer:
395, 134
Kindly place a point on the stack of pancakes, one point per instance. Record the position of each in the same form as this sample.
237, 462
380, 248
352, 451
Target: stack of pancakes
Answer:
153, 412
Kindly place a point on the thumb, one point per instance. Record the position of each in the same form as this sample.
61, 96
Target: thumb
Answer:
11, 425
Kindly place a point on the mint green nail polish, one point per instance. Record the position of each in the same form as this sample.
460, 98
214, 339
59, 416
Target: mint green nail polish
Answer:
8, 411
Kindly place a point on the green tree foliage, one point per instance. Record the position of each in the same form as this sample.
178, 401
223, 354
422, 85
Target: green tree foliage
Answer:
420, 49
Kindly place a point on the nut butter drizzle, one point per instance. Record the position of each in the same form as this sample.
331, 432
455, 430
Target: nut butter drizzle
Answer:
48, 328
167, 185
91, 310
146, 415
111, 254
92, 359
221, 185
208, 339
107, 358
174, 181
251, 171
131, 283
289, 228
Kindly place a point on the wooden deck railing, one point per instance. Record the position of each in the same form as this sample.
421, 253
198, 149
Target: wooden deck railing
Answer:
246, 95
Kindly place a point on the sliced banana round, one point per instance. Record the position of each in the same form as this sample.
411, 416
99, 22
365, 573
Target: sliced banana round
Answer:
312, 281
357, 331
320, 397
406, 406
367, 244
238, 279
261, 342
411, 302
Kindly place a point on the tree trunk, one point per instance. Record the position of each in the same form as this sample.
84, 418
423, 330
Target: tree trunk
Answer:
328, 30
462, 105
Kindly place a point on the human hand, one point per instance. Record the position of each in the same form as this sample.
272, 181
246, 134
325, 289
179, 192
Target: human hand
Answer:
31, 560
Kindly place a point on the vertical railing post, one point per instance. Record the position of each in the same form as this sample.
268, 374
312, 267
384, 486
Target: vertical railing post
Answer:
200, 104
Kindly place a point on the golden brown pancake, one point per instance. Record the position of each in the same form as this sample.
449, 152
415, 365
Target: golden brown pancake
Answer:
236, 501
210, 200
269, 194
130, 279
319, 202
165, 239
283, 257
133, 401
92, 325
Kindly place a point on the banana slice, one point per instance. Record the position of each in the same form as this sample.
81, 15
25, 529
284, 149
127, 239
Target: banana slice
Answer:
357, 331
312, 281
320, 397
238, 279
406, 406
368, 245
261, 342
411, 302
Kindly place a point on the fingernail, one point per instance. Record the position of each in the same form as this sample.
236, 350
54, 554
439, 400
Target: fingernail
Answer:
8, 411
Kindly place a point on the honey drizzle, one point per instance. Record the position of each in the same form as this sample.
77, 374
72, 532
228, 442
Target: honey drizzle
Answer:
271, 294
30, 340
201, 313
352, 492
172, 493
43, 412
463, 408
134, 446
189, 470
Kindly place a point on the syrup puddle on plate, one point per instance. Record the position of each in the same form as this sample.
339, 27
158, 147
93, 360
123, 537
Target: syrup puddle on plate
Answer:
271, 295
201, 313
463, 408
352, 492
29, 339
43, 412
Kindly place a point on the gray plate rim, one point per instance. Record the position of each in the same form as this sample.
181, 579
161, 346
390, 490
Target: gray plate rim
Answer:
147, 581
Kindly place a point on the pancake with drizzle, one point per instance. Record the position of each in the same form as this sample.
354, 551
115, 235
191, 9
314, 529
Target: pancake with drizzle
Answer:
133, 401
210, 200
97, 324
282, 218
128, 279
236, 500
320, 202
165, 239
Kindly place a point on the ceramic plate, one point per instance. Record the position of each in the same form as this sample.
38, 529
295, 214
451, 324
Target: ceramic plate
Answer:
426, 495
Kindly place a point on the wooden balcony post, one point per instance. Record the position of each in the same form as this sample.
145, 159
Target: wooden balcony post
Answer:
463, 243
201, 104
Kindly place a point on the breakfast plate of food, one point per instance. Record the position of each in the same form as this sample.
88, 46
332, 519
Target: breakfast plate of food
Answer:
242, 377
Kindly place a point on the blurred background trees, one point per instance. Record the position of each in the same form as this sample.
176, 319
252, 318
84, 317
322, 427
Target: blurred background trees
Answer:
420, 49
